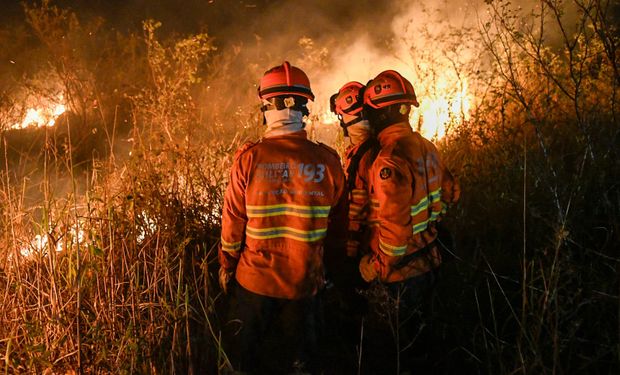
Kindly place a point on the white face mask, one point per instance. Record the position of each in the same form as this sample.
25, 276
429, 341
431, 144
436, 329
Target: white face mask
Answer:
359, 132
283, 121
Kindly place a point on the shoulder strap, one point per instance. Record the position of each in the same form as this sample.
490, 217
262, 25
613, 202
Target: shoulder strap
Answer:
369, 144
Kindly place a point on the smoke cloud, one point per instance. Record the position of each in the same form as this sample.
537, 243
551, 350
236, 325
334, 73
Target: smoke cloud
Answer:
334, 41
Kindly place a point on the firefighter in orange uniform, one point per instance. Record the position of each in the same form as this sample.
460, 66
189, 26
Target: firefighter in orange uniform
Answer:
284, 214
409, 189
348, 105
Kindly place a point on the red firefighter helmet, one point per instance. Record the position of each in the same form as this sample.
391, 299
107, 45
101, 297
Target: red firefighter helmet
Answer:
388, 88
348, 100
284, 79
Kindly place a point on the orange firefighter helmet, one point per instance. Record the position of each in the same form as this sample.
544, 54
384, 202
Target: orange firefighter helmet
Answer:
348, 100
284, 80
388, 88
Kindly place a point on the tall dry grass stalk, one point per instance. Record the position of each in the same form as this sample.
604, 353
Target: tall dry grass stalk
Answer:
553, 100
111, 273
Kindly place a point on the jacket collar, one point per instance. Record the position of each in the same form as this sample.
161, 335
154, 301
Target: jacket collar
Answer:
298, 134
394, 132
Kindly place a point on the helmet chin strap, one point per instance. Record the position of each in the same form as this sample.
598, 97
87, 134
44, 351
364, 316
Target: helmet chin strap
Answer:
345, 125
352, 122
280, 103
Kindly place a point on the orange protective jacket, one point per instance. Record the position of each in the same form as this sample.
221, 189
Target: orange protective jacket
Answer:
284, 204
410, 189
356, 172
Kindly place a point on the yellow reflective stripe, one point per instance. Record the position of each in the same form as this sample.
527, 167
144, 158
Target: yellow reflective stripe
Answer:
288, 209
230, 246
392, 250
435, 195
287, 232
359, 193
423, 203
421, 206
420, 227
356, 208
283, 205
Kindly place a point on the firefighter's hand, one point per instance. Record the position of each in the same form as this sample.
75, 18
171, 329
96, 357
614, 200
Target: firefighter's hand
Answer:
225, 277
367, 269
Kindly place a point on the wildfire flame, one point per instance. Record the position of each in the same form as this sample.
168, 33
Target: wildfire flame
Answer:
43, 115
447, 107
39, 244
328, 117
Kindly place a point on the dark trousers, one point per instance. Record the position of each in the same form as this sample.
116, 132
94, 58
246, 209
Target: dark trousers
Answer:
395, 333
271, 335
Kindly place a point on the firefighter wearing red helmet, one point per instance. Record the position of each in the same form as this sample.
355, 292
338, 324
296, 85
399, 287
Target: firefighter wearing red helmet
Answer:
407, 169
284, 213
348, 105
410, 190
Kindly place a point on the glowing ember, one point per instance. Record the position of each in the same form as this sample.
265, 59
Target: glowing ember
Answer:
45, 115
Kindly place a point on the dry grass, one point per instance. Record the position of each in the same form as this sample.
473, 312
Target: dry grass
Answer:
124, 195
116, 277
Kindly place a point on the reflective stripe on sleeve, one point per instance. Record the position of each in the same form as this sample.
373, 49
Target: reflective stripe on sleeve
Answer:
435, 195
392, 250
374, 223
288, 209
420, 227
423, 204
355, 208
230, 247
286, 232
359, 194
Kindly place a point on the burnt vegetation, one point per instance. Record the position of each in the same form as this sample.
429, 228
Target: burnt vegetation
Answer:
109, 220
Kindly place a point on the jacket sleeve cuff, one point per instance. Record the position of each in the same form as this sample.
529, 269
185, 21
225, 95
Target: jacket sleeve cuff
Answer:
228, 259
